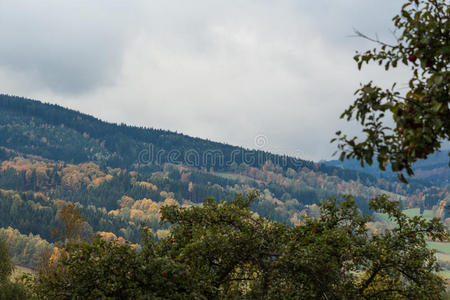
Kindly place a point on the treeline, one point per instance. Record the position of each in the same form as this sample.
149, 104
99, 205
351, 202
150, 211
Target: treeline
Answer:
25, 250
91, 184
106, 193
58, 133
99, 192
35, 213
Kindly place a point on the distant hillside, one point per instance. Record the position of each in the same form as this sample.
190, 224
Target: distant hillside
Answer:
57, 133
119, 176
434, 170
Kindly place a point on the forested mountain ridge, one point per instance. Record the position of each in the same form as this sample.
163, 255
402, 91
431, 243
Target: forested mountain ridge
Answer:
57, 133
51, 156
121, 143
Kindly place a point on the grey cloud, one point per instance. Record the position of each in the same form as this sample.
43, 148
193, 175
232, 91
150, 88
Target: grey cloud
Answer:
69, 47
224, 70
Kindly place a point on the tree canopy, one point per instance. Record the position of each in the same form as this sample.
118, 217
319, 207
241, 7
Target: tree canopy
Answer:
223, 250
420, 113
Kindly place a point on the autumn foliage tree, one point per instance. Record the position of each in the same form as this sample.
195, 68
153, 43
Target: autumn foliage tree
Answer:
75, 226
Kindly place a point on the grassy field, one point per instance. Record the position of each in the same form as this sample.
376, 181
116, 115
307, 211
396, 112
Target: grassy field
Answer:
412, 212
428, 214
241, 178
439, 246
443, 249
443, 254
383, 218
228, 175
444, 257
446, 273
19, 271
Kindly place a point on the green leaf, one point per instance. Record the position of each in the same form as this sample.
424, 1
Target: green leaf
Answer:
437, 107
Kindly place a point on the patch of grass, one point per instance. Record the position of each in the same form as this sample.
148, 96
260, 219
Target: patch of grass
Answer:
228, 175
232, 176
443, 257
412, 212
381, 217
384, 218
19, 271
440, 246
428, 214
445, 273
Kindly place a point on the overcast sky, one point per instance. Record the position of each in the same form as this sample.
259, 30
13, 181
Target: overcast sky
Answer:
272, 75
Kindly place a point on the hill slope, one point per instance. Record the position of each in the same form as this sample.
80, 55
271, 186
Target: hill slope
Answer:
119, 176
57, 133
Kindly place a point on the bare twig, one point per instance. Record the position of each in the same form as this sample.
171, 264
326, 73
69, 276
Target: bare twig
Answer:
376, 40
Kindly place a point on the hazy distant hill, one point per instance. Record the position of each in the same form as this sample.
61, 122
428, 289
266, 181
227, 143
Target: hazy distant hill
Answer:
433, 170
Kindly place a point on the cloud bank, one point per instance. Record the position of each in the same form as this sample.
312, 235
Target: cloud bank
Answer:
228, 71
